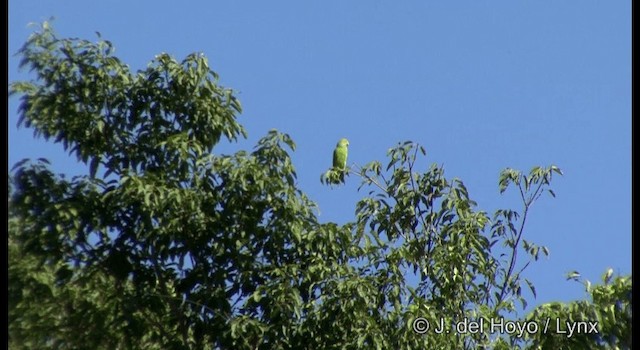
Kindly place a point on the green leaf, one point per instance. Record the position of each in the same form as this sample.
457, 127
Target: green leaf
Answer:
93, 167
607, 276
573, 275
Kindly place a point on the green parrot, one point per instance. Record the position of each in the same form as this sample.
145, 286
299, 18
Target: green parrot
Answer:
340, 157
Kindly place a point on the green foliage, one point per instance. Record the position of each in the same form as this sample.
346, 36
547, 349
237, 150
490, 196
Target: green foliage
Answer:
166, 244
171, 112
604, 322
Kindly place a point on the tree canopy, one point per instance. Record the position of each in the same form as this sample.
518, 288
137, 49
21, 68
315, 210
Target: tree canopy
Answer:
167, 243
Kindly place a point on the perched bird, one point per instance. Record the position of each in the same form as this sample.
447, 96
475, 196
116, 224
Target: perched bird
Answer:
340, 157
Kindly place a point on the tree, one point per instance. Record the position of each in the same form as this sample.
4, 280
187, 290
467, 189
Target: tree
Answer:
602, 323
167, 244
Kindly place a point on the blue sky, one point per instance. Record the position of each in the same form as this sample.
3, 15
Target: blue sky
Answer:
481, 85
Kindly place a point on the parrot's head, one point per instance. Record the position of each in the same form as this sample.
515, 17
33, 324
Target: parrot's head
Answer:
343, 143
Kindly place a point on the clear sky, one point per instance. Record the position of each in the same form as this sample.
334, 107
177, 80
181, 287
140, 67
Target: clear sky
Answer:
482, 85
